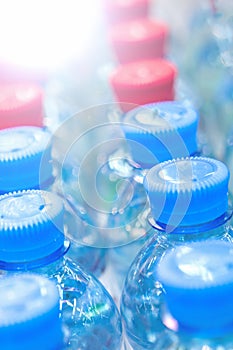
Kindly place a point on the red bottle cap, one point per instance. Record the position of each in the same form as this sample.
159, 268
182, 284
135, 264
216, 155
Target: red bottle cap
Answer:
21, 104
123, 10
142, 82
139, 39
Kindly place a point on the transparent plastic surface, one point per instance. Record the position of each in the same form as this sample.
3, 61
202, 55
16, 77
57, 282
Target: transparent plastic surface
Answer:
88, 312
197, 280
141, 316
32, 240
29, 306
102, 182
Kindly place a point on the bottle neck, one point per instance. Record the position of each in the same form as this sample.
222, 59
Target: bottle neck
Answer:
47, 261
216, 228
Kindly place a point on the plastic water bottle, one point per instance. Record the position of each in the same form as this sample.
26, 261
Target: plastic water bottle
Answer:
26, 162
155, 133
189, 202
105, 186
31, 239
196, 312
21, 103
29, 309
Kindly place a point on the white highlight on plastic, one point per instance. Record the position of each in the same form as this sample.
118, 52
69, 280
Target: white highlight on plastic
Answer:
45, 33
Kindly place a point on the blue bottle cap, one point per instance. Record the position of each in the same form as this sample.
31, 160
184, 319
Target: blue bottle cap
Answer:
198, 283
188, 191
161, 131
21, 151
29, 313
31, 224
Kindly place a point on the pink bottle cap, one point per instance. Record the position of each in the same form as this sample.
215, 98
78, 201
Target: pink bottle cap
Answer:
139, 39
123, 10
142, 82
21, 104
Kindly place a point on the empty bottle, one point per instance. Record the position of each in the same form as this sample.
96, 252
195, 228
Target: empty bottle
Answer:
189, 202
29, 313
197, 310
32, 239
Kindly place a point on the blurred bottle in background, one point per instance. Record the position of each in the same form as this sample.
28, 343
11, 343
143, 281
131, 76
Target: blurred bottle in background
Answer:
21, 104
138, 39
118, 11
202, 32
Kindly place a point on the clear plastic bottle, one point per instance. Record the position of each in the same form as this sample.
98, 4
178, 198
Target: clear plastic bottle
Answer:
197, 309
29, 313
26, 162
32, 239
155, 133
189, 202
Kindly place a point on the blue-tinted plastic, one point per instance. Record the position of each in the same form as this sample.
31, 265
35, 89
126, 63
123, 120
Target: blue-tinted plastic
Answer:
198, 278
161, 131
87, 310
151, 131
181, 191
197, 308
26, 215
29, 313
26, 163
21, 151
141, 315
228, 156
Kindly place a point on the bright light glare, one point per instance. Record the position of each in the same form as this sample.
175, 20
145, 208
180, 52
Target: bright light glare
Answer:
46, 33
